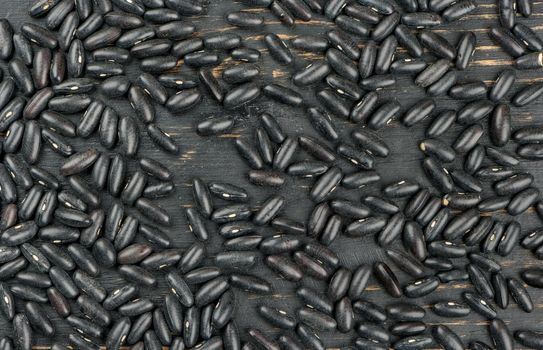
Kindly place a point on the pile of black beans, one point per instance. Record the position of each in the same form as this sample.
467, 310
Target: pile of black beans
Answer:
95, 214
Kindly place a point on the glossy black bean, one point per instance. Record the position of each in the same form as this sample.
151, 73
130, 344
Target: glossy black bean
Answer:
384, 115
432, 73
407, 39
421, 110
57, 256
89, 235
528, 338
421, 19
386, 26
520, 294
387, 279
364, 13
458, 10
8, 190
507, 41
500, 335
479, 305
445, 337
371, 142
284, 267
451, 309
363, 109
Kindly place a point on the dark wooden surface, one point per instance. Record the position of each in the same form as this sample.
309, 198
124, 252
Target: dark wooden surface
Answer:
215, 159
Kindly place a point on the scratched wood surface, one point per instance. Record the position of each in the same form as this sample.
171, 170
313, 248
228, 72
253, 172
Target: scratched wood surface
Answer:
215, 159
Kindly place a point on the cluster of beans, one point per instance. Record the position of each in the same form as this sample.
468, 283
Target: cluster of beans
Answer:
60, 232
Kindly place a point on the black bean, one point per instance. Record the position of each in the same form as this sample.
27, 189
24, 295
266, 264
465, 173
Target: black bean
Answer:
451, 309
8, 303
443, 85
509, 239
245, 19
126, 233
406, 262
408, 66
445, 337
139, 327
392, 230
58, 234
19, 234
363, 343
528, 338
8, 190
406, 329
370, 311
386, 26
134, 253
118, 333
479, 305
530, 152
480, 281
370, 141
364, 13
338, 61
407, 39
458, 10
243, 243
46, 209
22, 333
104, 252
533, 277
279, 244
452, 276
158, 190
352, 25
520, 294
84, 259
57, 256
421, 19
124, 20
22, 48
405, 312
119, 297
387, 279
344, 88
384, 114
400, 189
384, 7
501, 157
310, 43
439, 149
311, 74
316, 319
414, 239
505, 39
439, 264
522, 201
236, 259
432, 73
82, 342
500, 334
161, 15
100, 170
373, 332
63, 282
284, 267
385, 55
90, 25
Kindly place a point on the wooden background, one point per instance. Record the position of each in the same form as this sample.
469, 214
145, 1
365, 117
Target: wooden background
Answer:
215, 159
